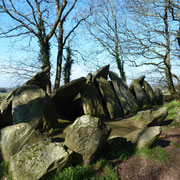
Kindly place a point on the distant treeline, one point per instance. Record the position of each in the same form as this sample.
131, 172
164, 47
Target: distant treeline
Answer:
5, 90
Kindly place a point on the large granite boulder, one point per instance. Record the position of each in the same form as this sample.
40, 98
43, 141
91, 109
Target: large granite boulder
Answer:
6, 110
39, 161
110, 98
127, 100
32, 105
159, 96
86, 136
14, 138
138, 91
150, 117
150, 93
64, 96
40, 79
145, 137
92, 102
102, 72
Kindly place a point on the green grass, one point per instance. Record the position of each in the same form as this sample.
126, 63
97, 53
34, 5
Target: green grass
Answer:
157, 153
102, 169
166, 128
172, 112
173, 107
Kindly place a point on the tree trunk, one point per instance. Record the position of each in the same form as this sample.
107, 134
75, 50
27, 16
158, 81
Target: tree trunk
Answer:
167, 56
121, 68
59, 67
119, 63
44, 57
59, 58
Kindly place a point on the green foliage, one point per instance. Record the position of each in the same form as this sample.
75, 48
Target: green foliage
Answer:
102, 169
157, 153
68, 65
74, 173
3, 169
166, 128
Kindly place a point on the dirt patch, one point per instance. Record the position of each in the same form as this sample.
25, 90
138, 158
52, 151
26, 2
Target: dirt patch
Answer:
142, 168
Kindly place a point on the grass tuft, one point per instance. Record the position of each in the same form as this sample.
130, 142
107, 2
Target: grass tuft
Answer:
102, 169
157, 153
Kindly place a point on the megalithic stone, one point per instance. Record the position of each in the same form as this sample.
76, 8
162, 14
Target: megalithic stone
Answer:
127, 100
150, 93
138, 91
102, 72
110, 98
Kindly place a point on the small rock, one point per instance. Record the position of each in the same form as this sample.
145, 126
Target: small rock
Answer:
145, 137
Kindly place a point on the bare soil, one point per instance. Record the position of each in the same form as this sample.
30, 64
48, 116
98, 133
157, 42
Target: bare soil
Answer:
142, 168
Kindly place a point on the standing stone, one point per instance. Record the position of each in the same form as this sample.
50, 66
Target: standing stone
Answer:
159, 96
127, 100
89, 78
32, 105
102, 72
138, 91
145, 137
14, 138
150, 93
64, 96
6, 110
40, 79
110, 99
92, 102
86, 136
39, 161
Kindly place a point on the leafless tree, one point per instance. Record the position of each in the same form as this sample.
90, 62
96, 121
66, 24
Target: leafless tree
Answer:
37, 18
105, 26
152, 35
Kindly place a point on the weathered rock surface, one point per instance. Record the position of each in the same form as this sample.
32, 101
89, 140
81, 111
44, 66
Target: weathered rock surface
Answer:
38, 161
67, 93
6, 110
149, 117
138, 91
92, 102
86, 136
40, 79
127, 100
121, 128
14, 138
145, 137
159, 96
150, 93
89, 78
102, 72
32, 105
110, 99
